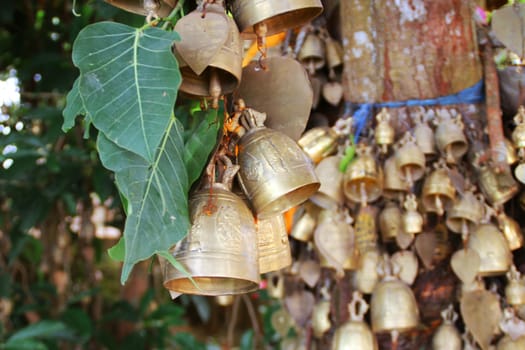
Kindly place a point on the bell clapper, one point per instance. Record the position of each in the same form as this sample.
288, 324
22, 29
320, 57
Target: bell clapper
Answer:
395, 338
448, 154
364, 197
464, 232
215, 89
408, 177
439, 205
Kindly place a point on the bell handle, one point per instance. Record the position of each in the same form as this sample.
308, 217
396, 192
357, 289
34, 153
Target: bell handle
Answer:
449, 315
251, 119
229, 171
358, 307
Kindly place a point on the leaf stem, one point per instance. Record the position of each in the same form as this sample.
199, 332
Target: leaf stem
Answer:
179, 8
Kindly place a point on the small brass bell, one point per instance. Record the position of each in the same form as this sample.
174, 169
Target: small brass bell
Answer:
366, 230
447, 336
515, 289
334, 55
390, 223
488, 241
275, 173
220, 250
394, 186
425, 138
320, 316
411, 218
363, 178
161, 8
510, 152
384, 132
466, 213
450, 139
273, 245
498, 188
312, 54
355, 334
319, 143
330, 194
410, 159
207, 72
366, 276
386, 315
511, 230
438, 191
275, 15
518, 139
303, 228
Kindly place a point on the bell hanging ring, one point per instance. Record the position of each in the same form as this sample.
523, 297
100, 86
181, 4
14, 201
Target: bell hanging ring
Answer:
355, 334
363, 178
498, 188
209, 74
466, 213
438, 191
493, 249
447, 336
330, 194
410, 159
319, 143
275, 173
161, 8
220, 250
390, 223
515, 289
394, 186
312, 54
384, 132
273, 245
450, 139
511, 230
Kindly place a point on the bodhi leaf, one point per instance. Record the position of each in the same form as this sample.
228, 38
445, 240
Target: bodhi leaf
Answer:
129, 80
157, 193
75, 107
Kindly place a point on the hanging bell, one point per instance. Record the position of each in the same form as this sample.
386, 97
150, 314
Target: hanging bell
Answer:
275, 173
514, 331
220, 250
333, 54
466, 213
330, 194
304, 226
494, 252
319, 143
320, 315
498, 188
518, 134
390, 223
410, 159
438, 190
363, 178
447, 336
450, 139
160, 8
366, 230
510, 152
366, 277
386, 315
355, 334
511, 230
208, 70
312, 54
411, 218
275, 15
394, 186
425, 138
515, 289
273, 245
384, 132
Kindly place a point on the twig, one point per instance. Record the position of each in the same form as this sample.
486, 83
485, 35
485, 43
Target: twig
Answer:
233, 321
253, 318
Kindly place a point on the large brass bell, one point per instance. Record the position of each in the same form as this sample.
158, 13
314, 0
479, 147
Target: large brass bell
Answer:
466, 213
438, 191
312, 54
330, 194
515, 289
447, 336
363, 178
410, 159
394, 186
209, 53
511, 230
319, 143
390, 223
498, 188
220, 250
273, 245
384, 133
494, 252
273, 15
355, 334
450, 139
275, 173
160, 8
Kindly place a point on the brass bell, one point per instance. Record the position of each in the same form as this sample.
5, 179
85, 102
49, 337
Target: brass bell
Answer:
366, 277
214, 73
386, 315
334, 55
220, 250
498, 188
275, 173
438, 190
511, 230
363, 178
518, 134
384, 132
466, 213
355, 334
312, 54
320, 315
161, 8
494, 252
275, 15
515, 289
447, 336
365, 229
450, 139
305, 222
514, 329
425, 138
390, 223
224, 300
410, 159
411, 218
394, 186
510, 152
330, 194
273, 245
319, 143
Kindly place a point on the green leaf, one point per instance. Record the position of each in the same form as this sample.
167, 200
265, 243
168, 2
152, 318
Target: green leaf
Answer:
157, 193
129, 82
74, 107
201, 142
42, 329
23, 344
118, 251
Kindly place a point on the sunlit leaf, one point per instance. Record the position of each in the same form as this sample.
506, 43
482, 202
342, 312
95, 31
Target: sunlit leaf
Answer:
46, 328
118, 251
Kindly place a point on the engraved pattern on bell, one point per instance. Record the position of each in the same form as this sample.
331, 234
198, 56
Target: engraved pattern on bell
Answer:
488, 241
220, 250
366, 229
273, 245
